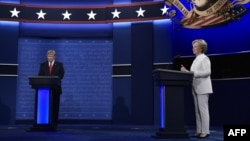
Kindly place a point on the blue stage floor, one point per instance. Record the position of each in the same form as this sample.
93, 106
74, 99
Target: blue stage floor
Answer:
96, 133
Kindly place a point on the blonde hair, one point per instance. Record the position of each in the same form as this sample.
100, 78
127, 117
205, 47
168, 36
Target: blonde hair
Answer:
51, 52
202, 44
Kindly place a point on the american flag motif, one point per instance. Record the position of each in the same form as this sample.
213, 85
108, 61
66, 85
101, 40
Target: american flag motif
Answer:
227, 12
215, 19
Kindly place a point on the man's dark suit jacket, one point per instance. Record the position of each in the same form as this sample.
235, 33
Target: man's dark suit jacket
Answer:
57, 70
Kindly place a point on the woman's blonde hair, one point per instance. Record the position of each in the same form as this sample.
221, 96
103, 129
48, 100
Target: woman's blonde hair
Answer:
202, 44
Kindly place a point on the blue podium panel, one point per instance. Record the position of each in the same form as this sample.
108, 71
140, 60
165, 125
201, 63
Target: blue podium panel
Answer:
162, 106
43, 99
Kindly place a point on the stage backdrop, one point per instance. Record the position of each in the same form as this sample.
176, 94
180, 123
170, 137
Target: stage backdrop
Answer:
87, 84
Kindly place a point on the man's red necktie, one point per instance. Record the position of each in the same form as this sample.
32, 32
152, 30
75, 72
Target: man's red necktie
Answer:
50, 68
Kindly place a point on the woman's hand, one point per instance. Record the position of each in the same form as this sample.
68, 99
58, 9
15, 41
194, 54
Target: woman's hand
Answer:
183, 68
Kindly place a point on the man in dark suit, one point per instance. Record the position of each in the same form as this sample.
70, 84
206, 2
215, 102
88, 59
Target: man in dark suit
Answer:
53, 68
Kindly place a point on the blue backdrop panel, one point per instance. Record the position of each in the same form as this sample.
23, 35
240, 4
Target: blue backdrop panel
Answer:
7, 100
87, 84
163, 41
141, 73
8, 39
66, 30
122, 43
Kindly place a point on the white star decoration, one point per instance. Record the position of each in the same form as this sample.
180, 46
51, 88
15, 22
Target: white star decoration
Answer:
116, 14
140, 12
91, 15
164, 10
66, 15
41, 14
14, 13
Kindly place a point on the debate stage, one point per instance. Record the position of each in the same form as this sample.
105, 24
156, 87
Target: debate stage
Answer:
83, 132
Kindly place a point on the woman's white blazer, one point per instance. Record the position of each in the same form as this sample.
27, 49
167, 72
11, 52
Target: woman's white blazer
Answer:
201, 67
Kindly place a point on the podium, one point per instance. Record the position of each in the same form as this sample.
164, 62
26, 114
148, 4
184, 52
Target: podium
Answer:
45, 87
172, 84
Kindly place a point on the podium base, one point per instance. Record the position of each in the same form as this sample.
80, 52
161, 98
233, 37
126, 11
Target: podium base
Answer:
164, 135
43, 129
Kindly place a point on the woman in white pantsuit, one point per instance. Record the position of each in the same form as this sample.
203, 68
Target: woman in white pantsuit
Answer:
202, 87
